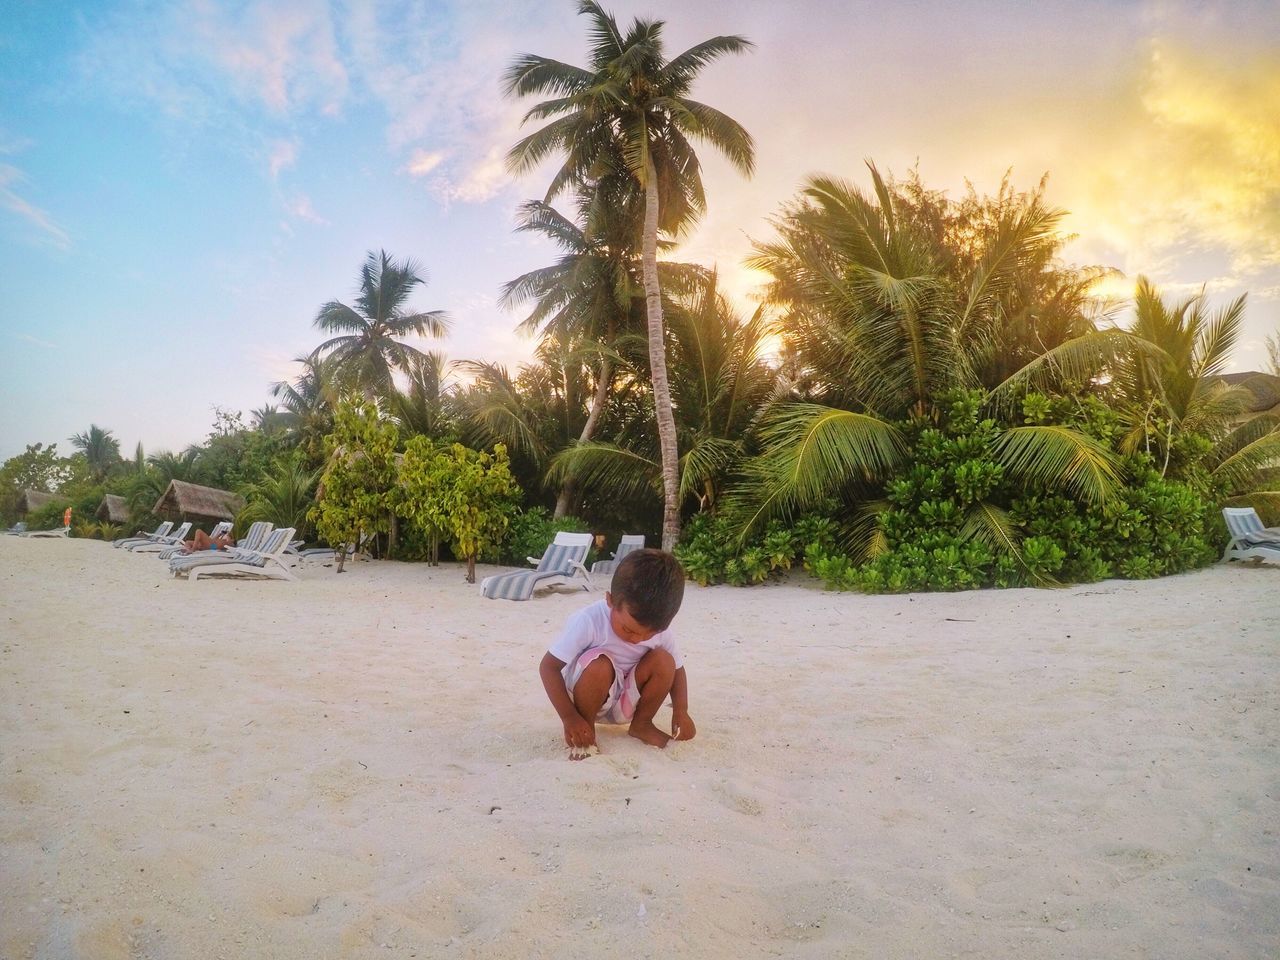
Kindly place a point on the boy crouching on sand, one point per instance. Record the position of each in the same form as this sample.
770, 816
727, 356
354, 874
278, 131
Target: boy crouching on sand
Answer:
615, 661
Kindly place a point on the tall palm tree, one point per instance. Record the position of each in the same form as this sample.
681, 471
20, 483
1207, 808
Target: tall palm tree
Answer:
368, 344
721, 383
101, 450
593, 295
632, 102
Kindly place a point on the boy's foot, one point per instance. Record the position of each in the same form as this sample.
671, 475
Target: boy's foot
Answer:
646, 732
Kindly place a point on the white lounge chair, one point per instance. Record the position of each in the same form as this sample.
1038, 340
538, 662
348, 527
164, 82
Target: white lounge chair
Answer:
221, 529
55, 532
562, 559
1250, 540
266, 564
18, 529
253, 541
62, 531
141, 537
629, 542
161, 543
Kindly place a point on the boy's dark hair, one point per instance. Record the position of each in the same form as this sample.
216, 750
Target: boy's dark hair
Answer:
650, 584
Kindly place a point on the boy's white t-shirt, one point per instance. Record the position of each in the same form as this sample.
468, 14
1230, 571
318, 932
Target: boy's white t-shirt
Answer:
589, 628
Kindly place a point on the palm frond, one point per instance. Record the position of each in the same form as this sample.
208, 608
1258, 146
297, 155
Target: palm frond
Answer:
621, 474
1058, 458
814, 452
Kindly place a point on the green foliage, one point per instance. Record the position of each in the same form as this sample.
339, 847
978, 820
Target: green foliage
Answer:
359, 478
713, 551
455, 493
283, 495
36, 468
1155, 527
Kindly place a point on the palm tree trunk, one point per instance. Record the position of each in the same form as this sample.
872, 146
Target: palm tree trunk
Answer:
658, 366
564, 502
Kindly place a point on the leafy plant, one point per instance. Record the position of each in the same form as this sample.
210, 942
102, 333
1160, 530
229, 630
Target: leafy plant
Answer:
355, 495
464, 495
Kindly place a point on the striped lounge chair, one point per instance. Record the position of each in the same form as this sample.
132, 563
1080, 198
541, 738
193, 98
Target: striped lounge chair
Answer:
628, 543
141, 537
1250, 540
563, 559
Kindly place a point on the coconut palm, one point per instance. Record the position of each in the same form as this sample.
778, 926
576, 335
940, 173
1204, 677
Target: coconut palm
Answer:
282, 497
101, 450
721, 382
633, 103
309, 401
1175, 401
425, 406
368, 346
882, 326
593, 295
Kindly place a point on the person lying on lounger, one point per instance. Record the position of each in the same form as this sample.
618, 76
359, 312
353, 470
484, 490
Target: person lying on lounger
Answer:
203, 541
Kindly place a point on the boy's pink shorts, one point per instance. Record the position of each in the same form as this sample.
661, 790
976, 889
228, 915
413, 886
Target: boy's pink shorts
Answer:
620, 705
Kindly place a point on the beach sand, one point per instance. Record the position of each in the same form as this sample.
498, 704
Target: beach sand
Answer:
366, 765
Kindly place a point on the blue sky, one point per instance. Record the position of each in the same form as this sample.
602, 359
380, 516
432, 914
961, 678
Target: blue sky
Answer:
183, 184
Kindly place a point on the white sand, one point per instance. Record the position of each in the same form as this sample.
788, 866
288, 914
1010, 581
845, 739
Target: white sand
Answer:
366, 766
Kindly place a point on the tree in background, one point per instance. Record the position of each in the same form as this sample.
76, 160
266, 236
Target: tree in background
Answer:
309, 401
368, 343
884, 332
355, 491
101, 451
465, 495
36, 468
283, 496
632, 104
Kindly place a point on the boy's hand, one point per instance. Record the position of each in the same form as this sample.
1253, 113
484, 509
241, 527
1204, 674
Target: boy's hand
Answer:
579, 734
682, 727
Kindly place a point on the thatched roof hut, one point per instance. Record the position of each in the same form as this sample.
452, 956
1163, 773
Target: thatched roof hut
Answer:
113, 509
1265, 388
190, 500
32, 500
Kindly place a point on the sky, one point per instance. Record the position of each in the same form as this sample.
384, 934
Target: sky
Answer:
183, 184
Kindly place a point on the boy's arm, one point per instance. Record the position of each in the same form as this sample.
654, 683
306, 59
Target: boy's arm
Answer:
577, 732
682, 727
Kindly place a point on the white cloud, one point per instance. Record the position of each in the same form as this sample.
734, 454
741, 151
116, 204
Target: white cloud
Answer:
299, 207
423, 162
26, 210
284, 153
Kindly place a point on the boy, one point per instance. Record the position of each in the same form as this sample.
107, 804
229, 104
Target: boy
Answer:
616, 661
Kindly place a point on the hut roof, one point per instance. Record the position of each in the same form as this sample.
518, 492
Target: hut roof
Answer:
35, 499
1265, 388
113, 509
193, 500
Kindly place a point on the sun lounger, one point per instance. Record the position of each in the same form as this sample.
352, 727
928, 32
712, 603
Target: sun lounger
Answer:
160, 543
18, 529
141, 537
563, 559
628, 543
220, 529
254, 540
1250, 540
267, 564
62, 531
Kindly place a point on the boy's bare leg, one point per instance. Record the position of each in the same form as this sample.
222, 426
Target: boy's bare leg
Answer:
654, 676
590, 693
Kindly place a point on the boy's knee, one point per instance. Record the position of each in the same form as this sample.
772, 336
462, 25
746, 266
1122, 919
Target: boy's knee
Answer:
658, 663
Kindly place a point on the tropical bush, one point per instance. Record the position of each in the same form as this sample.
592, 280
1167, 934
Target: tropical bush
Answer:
453, 493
